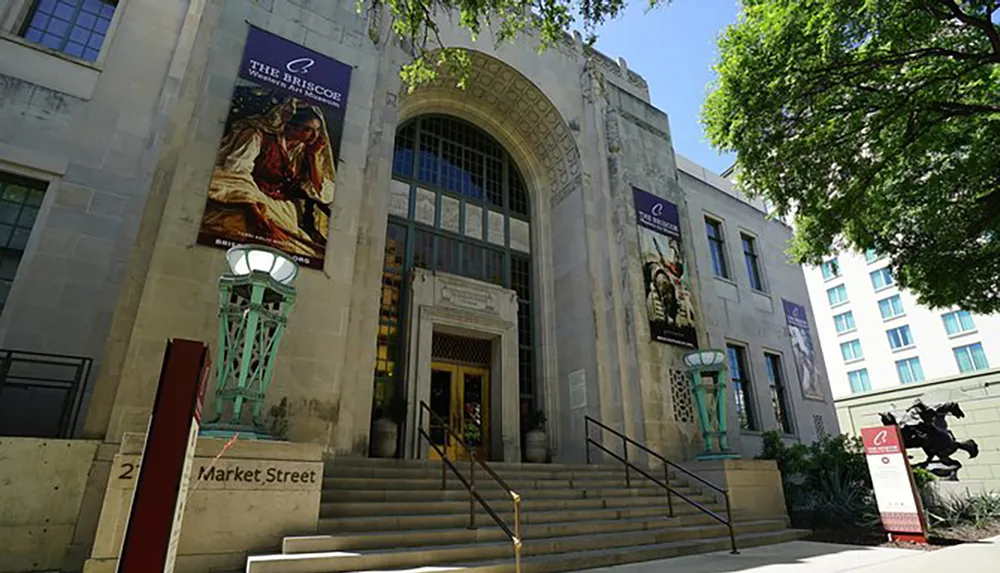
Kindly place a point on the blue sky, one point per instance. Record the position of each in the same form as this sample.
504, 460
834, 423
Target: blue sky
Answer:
673, 48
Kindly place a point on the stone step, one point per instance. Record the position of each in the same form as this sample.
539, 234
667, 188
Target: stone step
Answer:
520, 486
501, 467
459, 493
434, 471
329, 525
490, 532
528, 505
341, 561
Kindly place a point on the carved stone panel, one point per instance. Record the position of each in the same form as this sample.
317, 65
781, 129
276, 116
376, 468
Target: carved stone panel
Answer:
496, 229
449, 213
520, 235
681, 393
469, 298
473, 221
424, 212
399, 198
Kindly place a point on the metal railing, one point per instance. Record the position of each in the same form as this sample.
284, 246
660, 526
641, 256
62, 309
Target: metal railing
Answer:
470, 484
665, 484
40, 394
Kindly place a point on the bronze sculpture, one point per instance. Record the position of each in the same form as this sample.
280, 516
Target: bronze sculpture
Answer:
927, 428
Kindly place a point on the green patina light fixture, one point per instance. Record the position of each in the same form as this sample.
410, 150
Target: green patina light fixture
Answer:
255, 298
708, 385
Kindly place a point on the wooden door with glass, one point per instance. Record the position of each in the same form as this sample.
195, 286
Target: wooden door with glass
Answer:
460, 397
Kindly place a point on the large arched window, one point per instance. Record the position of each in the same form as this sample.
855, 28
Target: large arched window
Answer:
458, 204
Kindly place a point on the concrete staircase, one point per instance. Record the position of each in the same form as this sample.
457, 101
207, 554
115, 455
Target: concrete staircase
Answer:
382, 515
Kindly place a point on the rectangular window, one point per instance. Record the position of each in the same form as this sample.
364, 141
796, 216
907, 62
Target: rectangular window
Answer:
20, 200
830, 269
751, 259
851, 350
717, 247
890, 307
740, 375
844, 322
909, 370
971, 358
882, 278
779, 400
899, 337
73, 27
958, 322
837, 295
871, 256
859, 381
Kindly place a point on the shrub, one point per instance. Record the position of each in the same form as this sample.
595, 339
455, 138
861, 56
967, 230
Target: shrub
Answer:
976, 510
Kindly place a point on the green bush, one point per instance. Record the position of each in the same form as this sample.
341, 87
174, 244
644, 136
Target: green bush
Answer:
827, 484
975, 510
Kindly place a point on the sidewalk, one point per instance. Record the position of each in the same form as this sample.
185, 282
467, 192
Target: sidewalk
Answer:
806, 556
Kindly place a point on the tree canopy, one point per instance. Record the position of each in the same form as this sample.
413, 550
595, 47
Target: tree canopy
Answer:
877, 124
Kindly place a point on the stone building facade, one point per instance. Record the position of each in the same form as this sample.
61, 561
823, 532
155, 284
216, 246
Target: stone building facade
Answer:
120, 141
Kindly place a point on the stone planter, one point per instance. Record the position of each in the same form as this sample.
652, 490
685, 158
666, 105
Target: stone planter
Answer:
536, 446
384, 436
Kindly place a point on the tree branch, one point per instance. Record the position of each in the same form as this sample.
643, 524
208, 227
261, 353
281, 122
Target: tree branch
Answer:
983, 24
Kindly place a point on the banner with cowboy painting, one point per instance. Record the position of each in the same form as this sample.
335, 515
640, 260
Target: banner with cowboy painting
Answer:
810, 375
669, 304
276, 166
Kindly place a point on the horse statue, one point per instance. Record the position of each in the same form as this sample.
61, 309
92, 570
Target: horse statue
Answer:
927, 428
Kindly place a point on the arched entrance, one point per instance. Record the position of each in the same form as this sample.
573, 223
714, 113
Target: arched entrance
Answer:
459, 206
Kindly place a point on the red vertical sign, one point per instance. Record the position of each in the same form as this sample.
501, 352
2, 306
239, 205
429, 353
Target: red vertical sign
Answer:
898, 500
153, 526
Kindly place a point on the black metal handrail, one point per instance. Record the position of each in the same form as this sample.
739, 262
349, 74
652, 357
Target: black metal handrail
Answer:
665, 484
28, 372
470, 484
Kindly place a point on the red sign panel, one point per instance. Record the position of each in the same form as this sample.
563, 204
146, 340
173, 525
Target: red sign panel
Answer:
895, 491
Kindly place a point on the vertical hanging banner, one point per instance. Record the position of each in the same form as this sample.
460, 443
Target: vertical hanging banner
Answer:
276, 166
899, 502
810, 377
669, 304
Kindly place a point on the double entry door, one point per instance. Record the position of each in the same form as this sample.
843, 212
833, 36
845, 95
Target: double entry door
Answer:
460, 398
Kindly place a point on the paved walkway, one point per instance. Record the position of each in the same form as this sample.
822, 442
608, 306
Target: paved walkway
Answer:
809, 557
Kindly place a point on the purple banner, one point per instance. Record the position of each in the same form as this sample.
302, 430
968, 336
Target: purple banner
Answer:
669, 304
276, 166
810, 377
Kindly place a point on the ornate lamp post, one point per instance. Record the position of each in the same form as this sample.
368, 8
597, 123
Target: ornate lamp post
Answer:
256, 296
708, 385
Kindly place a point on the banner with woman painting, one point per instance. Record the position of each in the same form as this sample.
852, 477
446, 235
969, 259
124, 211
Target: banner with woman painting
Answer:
276, 167
669, 305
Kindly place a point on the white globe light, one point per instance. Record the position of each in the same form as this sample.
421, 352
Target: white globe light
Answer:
246, 259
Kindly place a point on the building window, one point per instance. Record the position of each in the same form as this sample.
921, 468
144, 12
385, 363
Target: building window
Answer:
717, 247
851, 350
971, 358
844, 322
909, 370
779, 399
830, 269
859, 381
753, 265
20, 200
837, 295
740, 375
958, 322
871, 256
466, 212
899, 337
890, 307
882, 278
74, 27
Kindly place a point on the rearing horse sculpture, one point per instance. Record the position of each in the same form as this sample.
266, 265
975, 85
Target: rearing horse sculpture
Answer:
927, 428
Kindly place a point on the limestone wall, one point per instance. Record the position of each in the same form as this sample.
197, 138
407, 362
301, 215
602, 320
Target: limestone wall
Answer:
42, 485
979, 396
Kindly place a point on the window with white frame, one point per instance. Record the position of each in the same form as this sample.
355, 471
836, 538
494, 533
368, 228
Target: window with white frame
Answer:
899, 337
859, 381
844, 322
891, 307
909, 370
882, 278
830, 269
971, 357
837, 295
958, 322
851, 350
74, 27
871, 256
